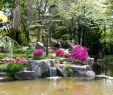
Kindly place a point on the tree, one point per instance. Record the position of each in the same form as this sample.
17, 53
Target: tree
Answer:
84, 21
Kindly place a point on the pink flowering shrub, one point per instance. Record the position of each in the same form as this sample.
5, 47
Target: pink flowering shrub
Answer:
39, 52
59, 52
21, 60
79, 53
8, 59
15, 60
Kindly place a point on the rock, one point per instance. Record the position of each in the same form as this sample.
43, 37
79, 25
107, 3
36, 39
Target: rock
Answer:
44, 69
41, 68
24, 49
39, 45
78, 70
2, 74
90, 74
104, 76
79, 73
26, 75
61, 72
2, 79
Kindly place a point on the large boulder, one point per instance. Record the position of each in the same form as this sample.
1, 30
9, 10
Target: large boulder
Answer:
41, 68
78, 71
26, 75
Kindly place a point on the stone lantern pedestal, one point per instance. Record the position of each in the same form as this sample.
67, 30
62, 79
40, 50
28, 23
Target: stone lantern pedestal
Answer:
36, 32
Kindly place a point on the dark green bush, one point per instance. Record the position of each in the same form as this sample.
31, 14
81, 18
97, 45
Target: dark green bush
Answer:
2, 55
14, 67
69, 70
108, 59
3, 67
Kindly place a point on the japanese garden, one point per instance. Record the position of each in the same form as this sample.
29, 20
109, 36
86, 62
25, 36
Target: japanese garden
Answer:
56, 47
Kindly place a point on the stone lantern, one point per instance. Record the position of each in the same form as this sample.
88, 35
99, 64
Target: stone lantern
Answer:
49, 18
36, 32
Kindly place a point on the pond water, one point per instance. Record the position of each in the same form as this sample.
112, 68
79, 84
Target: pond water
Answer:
65, 86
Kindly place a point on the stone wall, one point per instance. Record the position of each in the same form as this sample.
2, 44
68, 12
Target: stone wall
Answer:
42, 68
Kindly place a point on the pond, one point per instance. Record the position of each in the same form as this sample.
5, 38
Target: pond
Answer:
63, 86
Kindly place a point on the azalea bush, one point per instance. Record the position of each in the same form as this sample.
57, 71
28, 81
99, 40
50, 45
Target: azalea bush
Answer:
79, 53
59, 52
38, 53
15, 60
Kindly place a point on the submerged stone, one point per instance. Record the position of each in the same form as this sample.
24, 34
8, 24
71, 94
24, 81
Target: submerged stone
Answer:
26, 75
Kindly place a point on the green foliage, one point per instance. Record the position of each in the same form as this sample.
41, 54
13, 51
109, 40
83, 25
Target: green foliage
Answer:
108, 59
29, 52
11, 68
107, 37
2, 55
3, 67
14, 67
49, 56
20, 55
83, 21
69, 70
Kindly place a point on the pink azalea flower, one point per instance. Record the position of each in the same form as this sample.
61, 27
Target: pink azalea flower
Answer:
79, 53
21, 60
39, 52
15, 60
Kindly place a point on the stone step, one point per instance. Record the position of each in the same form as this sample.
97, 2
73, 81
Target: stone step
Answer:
2, 79
2, 74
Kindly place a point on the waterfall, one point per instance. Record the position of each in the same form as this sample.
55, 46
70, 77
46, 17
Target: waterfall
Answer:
53, 72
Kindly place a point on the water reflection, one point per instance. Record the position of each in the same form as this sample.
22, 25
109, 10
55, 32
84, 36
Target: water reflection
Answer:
68, 86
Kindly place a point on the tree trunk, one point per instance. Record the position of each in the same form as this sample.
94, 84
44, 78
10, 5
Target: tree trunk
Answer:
16, 20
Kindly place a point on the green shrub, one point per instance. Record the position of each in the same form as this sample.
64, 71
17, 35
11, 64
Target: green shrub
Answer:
49, 56
14, 67
108, 59
2, 55
29, 52
3, 67
69, 70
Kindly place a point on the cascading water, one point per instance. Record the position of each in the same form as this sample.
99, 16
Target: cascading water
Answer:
53, 72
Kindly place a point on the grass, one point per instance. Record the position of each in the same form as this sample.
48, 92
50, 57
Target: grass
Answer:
2, 55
